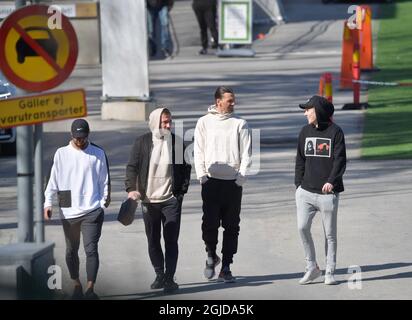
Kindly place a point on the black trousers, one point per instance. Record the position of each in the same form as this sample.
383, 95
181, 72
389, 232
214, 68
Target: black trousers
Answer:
206, 17
221, 206
90, 225
156, 215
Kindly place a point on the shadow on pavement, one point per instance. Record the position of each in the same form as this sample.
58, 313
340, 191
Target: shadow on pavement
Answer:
254, 281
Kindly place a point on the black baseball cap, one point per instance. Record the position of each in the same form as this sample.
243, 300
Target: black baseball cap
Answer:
80, 128
319, 103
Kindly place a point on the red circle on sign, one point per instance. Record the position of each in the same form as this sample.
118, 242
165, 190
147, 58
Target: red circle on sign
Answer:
62, 73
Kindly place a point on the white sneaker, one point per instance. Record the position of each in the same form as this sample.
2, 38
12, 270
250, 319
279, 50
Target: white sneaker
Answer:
330, 279
310, 275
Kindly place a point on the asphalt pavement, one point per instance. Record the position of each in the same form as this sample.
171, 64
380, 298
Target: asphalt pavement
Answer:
374, 213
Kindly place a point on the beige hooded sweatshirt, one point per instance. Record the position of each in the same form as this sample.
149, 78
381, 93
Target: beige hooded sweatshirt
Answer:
222, 147
159, 181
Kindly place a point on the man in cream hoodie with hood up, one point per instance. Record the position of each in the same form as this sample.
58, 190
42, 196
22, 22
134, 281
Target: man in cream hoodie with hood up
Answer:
158, 175
222, 155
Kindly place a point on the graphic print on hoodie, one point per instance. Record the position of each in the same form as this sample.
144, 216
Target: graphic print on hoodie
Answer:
321, 154
318, 147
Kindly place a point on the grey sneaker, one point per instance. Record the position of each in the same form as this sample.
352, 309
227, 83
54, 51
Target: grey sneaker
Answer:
329, 278
310, 275
211, 263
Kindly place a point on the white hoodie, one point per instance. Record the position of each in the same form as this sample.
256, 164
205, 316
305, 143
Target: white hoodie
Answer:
222, 147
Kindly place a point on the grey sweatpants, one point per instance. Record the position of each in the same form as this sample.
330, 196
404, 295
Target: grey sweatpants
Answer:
90, 225
308, 203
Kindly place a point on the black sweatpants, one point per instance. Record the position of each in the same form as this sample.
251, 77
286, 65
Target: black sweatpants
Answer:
156, 215
90, 225
206, 17
221, 206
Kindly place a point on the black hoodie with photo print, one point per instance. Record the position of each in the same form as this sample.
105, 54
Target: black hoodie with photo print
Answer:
321, 154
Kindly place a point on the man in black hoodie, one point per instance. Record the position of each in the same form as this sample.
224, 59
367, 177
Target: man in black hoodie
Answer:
320, 165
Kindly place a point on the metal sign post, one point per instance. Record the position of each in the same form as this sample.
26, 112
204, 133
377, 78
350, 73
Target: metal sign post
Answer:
38, 182
24, 174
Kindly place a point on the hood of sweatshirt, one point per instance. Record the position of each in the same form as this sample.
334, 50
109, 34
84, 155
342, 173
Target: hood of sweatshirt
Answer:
154, 124
221, 116
323, 116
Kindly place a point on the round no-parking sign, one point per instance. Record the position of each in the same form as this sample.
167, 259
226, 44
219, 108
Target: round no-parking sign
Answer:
33, 56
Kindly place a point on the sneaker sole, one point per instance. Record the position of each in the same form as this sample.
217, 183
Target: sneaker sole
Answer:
226, 281
310, 281
156, 288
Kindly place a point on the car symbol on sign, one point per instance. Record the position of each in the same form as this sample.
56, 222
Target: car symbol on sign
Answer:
44, 39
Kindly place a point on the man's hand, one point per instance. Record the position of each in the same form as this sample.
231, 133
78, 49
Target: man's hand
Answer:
203, 179
47, 213
135, 195
327, 188
107, 202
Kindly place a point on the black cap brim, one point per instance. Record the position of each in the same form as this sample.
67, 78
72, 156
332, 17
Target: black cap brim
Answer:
305, 106
80, 135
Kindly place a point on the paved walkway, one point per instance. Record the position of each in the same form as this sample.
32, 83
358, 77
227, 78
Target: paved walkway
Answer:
374, 215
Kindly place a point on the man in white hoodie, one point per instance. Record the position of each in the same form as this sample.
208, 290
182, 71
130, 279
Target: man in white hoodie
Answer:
158, 175
80, 178
222, 155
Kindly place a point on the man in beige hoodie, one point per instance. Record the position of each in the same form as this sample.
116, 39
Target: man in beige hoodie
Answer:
222, 155
158, 175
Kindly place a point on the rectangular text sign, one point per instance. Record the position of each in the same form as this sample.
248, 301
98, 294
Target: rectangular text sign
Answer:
36, 109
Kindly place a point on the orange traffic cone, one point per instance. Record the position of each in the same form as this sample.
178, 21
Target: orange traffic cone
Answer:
366, 50
347, 51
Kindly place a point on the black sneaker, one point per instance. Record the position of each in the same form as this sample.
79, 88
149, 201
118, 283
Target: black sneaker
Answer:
159, 281
90, 295
203, 51
226, 276
170, 285
211, 263
77, 293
